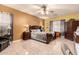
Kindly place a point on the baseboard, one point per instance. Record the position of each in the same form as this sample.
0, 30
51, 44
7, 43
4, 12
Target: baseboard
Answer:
17, 40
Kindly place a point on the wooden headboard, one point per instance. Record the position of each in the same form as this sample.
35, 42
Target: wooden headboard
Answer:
34, 27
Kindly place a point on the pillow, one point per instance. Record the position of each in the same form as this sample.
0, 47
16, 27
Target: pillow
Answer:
36, 30
33, 30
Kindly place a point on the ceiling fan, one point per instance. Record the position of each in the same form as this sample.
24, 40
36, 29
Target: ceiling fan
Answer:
45, 11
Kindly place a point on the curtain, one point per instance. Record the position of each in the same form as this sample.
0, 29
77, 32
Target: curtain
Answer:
58, 26
5, 23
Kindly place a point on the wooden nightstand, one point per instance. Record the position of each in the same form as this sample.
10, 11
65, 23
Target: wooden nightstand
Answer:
26, 35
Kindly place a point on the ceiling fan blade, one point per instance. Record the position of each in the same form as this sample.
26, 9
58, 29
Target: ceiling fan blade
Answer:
38, 5
41, 5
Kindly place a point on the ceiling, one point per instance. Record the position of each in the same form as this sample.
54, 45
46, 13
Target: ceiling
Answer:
34, 9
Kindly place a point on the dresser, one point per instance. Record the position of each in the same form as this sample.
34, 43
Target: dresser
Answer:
70, 28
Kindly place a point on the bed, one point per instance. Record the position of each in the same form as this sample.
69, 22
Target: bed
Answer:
39, 35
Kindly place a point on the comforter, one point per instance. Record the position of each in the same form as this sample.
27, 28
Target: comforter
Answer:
40, 36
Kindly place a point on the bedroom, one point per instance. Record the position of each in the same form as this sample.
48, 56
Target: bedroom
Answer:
53, 20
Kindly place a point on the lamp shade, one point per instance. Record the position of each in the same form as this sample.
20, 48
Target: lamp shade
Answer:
77, 31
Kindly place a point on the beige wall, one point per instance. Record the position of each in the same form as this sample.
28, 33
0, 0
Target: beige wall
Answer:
19, 20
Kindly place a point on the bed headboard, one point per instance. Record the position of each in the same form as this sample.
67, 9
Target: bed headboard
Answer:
34, 27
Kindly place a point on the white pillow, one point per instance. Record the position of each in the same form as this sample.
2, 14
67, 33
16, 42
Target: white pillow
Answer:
36, 30
33, 30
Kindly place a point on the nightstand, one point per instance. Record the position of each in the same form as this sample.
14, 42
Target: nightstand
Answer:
26, 35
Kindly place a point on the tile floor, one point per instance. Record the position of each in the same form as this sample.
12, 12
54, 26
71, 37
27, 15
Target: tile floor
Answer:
32, 47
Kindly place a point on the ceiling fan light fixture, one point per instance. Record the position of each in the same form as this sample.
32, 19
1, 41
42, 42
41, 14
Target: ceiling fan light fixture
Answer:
44, 17
42, 12
45, 12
